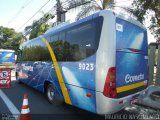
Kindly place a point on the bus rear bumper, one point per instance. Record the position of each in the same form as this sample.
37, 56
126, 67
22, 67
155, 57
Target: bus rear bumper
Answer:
107, 105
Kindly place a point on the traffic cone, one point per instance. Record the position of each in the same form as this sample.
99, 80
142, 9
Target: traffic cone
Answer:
25, 112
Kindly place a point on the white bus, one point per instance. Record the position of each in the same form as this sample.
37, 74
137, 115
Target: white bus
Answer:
99, 63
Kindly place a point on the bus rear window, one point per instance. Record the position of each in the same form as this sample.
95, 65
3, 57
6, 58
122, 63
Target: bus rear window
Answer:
130, 36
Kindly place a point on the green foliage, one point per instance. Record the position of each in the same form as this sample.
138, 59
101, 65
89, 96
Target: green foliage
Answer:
10, 39
41, 28
143, 8
38, 27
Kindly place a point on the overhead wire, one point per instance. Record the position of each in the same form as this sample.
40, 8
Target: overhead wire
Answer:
33, 15
41, 22
55, 7
64, 4
19, 11
47, 7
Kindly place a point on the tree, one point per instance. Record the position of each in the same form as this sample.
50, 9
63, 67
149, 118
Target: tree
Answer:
38, 27
94, 5
145, 8
10, 39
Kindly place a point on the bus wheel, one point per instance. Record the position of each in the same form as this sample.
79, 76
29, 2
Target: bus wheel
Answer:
50, 94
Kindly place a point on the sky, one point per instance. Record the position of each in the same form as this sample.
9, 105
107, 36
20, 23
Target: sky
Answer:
14, 13
17, 13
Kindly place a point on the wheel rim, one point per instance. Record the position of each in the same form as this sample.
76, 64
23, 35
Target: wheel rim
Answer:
50, 93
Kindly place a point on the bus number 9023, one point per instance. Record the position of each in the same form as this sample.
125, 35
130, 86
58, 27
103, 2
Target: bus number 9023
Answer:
86, 66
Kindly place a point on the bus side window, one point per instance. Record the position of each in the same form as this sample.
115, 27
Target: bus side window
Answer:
81, 39
57, 46
26, 53
66, 47
41, 52
36, 50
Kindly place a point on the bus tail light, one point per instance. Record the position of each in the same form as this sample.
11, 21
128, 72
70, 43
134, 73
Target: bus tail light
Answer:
110, 84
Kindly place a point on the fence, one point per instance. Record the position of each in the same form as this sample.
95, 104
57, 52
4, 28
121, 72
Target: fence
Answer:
154, 64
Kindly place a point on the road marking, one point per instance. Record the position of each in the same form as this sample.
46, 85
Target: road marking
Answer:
9, 104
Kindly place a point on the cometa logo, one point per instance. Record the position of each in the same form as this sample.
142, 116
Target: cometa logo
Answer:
129, 78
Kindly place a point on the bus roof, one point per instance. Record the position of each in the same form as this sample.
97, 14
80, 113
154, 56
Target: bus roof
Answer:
5, 50
73, 24
63, 28
130, 19
119, 15
95, 15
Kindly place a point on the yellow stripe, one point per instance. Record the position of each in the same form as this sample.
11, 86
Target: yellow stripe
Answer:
58, 72
7, 64
129, 87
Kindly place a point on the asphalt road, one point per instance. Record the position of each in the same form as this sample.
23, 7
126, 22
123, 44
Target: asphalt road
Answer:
41, 109
3, 107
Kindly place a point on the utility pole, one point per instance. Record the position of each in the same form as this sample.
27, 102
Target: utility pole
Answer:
60, 12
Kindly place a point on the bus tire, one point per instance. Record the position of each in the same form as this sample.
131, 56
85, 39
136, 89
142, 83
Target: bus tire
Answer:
50, 94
